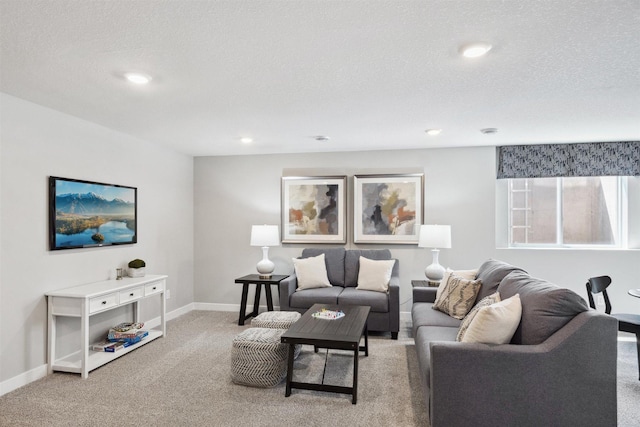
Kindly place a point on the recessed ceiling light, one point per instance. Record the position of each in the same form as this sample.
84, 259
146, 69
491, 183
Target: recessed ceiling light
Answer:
433, 132
246, 140
475, 50
137, 78
488, 131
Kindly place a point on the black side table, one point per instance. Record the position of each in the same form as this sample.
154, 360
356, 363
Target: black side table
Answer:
259, 282
424, 284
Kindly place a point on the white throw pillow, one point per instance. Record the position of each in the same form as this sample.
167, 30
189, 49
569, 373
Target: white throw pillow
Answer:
496, 323
311, 272
465, 274
484, 302
374, 275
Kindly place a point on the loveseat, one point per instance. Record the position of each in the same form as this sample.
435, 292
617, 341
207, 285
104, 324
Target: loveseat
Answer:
558, 369
342, 267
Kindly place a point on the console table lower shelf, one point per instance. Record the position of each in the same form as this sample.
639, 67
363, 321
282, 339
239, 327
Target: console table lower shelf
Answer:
73, 362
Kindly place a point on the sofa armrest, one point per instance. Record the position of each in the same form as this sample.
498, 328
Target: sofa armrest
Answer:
570, 379
286, 288
424, 294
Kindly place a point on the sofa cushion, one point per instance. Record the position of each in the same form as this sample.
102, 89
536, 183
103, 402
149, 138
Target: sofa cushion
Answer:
334, 259
378, 301
491, 274
308, 297
352, 262
486, 301
311, 272
545, 307
423, 315
458, 296
495, 323
374, 275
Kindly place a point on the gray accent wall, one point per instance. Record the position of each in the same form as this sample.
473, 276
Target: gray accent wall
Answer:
234, 192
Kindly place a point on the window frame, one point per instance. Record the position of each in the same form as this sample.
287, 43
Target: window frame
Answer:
621, 236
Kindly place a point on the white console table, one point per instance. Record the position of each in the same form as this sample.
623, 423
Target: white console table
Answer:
86, 300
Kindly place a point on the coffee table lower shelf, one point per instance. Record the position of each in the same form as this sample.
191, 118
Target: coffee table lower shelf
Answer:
338, 334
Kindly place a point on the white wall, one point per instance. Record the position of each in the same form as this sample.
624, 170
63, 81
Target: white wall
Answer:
38, 142
232, 193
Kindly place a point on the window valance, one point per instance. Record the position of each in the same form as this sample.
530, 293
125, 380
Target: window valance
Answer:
555, 160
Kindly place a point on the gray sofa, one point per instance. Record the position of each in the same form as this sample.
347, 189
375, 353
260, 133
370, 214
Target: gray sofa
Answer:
342, 271
558, 370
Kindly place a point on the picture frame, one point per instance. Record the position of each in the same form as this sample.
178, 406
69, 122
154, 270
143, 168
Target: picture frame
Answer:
388, 209
314, 209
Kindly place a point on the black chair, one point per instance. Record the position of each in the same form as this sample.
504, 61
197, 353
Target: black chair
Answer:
626, 322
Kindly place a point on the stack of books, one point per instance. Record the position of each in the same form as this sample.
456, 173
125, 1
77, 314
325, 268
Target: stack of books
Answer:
122, 336
110, 346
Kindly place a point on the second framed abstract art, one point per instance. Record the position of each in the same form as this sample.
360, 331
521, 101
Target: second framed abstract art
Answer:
314, 209
388, 208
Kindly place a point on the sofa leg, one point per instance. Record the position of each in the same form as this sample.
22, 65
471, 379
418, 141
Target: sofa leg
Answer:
394, 335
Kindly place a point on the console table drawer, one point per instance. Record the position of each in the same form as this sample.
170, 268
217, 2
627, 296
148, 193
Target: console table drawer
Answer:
103, 302
131, 294
153, 288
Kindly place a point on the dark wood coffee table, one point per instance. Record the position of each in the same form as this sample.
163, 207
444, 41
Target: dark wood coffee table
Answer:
342, 334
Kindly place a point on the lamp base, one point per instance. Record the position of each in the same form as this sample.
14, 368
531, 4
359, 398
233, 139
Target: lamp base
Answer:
434, 272
265, 267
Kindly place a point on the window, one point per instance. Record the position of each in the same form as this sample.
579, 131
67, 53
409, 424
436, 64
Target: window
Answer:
573, 211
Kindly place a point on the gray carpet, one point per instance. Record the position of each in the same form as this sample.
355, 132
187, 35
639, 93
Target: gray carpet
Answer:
184, 379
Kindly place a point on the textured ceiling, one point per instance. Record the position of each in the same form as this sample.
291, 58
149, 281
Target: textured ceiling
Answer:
369, 74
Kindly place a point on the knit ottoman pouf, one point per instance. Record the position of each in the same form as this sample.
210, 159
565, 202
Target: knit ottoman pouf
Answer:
275, 319
278, 320
258, 358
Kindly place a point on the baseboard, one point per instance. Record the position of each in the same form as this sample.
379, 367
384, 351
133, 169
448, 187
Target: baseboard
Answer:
206, 306
23, 379
35, 374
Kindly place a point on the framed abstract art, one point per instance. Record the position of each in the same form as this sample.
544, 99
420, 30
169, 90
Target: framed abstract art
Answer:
388, 209
314, 209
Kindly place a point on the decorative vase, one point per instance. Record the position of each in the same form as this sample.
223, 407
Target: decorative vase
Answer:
136, 272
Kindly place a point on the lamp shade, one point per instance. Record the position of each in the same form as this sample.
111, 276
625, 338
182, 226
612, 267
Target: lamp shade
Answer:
265, 235
435, 236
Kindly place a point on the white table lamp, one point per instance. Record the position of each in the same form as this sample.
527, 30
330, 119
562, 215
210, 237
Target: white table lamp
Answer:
435, 236
265, 236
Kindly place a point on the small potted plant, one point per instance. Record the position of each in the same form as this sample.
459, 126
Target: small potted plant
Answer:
136, 268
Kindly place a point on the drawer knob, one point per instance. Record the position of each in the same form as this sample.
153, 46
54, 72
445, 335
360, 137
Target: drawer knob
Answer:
104, 302
154, 288
131, 294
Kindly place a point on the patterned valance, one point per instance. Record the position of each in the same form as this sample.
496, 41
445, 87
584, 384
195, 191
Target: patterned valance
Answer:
585, 159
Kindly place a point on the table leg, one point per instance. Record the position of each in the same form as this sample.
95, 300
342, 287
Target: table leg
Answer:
243, 304
51, 336
287, 392
354, 397
267, 289
366, 340
256, 301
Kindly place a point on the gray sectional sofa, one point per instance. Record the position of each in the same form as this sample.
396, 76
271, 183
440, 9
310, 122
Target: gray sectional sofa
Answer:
342, 270
558, 370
